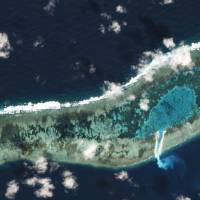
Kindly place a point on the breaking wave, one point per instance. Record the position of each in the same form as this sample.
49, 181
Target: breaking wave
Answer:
176, 57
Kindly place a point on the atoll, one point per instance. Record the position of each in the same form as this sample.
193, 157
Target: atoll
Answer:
116, 131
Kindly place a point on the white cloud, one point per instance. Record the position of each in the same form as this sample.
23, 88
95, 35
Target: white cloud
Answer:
181, 57
169, 43
12, 189
115, 27
113, 89
144, 104
181, 197
50, 7
150, 61
121, 9
92, 69
149, 76
5, 46
90, 151
67, 173
131, 97
178, 58
39, 42
46, 187
41, 165
107, 145
166, 2
102, 28
113, 24
123, 175
124, 23
106, 16
31, 181
69, 181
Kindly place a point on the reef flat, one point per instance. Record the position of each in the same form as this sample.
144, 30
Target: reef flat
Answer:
117, 129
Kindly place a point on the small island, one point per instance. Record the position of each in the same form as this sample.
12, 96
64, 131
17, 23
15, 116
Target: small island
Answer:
117, 130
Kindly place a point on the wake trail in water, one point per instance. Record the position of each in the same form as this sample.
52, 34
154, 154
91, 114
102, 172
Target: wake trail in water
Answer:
159, 136
170, 161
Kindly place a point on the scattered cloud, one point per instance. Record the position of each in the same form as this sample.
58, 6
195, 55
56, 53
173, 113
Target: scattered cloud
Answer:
149, 76
46, 187
106, 16
69, 180
131, 97
92, 69
39, 42
90, 151
169, 43
181, 197
102, 29
51, 6
31, 181
123, 175
167, 2
177, 58
41, 165
115, 27
124, 23
67, 173
144, 104
12, 189
112, 89
5, 46
120, 9
181, 57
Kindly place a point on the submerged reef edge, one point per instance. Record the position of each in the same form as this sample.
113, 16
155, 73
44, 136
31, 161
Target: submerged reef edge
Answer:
117, 130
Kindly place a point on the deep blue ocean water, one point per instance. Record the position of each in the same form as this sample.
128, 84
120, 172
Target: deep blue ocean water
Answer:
50, 71
146, 181
71, 35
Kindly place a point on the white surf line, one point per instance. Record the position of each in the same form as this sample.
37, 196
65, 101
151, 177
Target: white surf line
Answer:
55, 105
